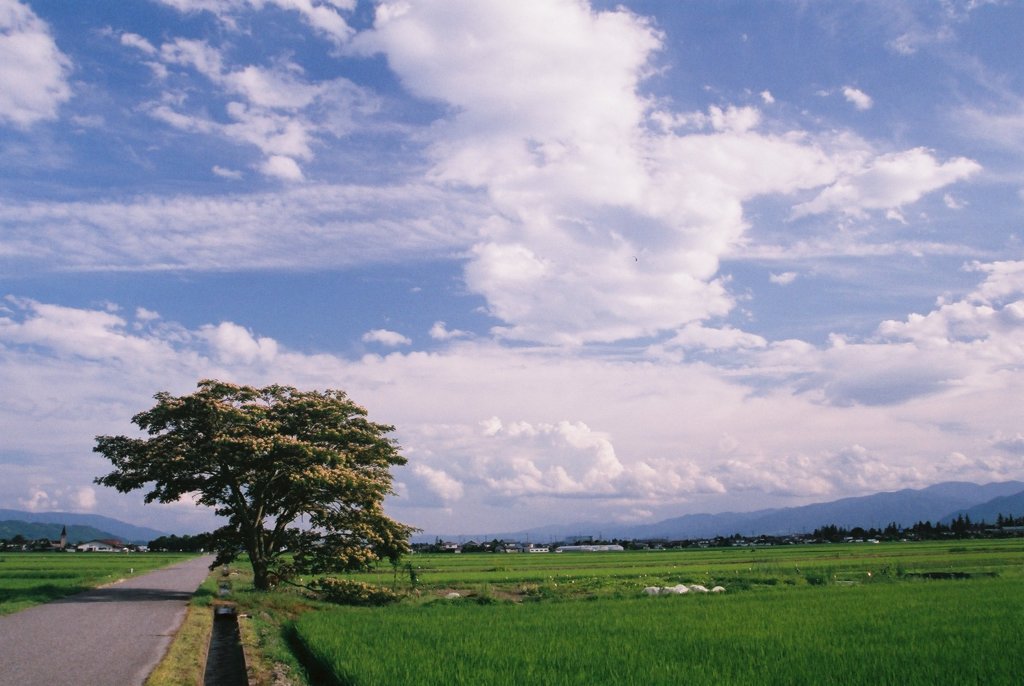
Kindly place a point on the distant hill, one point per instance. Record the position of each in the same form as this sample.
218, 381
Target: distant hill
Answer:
941, 502
32, 531
905, 507
114, 528
1004, 505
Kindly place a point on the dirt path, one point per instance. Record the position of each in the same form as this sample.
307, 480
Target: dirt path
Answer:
113, 635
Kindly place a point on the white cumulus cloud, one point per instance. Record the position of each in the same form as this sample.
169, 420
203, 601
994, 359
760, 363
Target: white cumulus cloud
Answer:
282, 167
233, 343
440, 332
33, 70
889, 181
134, 40
697, 336
858, 98
609, 229
783, 279
391, 339
226, 173
438, 483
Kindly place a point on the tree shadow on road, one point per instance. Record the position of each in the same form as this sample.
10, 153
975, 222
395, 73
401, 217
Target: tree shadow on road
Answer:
17, 599
114, 594
14, 599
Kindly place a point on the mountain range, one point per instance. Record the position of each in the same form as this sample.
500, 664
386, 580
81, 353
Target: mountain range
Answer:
988, 511
939, 503
33, 531
107, 526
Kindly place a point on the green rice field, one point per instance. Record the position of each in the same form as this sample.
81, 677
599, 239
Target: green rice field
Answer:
899, 613
594, 575
28, 579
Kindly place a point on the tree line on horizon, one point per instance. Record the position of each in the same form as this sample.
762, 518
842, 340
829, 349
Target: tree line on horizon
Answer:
961, 527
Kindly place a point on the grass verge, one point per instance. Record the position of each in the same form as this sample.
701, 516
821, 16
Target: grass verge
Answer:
264, 622
185, 661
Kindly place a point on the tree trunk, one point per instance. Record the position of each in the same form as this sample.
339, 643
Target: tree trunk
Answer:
260, 575
255, 547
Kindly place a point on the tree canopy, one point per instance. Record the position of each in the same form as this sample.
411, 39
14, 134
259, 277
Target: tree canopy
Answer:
300, 476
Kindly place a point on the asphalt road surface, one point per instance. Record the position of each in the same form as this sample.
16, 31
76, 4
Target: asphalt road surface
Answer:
108, 636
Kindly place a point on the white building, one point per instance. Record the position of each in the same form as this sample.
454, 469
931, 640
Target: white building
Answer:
102, 546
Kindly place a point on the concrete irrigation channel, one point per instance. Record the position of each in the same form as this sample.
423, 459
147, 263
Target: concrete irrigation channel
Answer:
225, 659
112, 635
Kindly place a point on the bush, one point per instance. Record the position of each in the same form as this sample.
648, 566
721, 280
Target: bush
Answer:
350, 592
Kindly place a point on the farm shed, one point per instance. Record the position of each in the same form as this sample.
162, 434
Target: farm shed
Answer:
100, 546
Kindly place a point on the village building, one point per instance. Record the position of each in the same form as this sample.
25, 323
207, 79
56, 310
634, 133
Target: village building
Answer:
101, 546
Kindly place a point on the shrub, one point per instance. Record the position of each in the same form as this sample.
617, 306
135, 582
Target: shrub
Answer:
351, 592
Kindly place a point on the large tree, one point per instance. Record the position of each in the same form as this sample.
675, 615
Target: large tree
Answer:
267, 459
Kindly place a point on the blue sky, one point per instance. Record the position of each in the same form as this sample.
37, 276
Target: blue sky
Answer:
595, 261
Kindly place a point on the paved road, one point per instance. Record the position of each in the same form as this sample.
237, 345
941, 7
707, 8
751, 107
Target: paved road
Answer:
109, 636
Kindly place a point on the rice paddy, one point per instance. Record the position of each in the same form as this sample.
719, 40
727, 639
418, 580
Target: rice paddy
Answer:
913, 613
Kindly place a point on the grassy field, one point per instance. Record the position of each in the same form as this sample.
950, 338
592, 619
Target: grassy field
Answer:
28, 579
910, 613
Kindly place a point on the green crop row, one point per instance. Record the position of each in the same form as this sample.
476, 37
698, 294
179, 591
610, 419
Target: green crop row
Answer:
945, 631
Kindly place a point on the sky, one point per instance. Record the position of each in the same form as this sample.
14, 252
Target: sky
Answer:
595, 261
